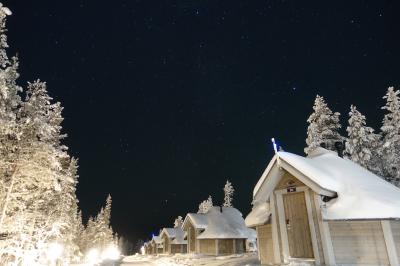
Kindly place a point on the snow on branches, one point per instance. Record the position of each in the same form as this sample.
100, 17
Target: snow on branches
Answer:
362, 144
178, 222
391, 136
228, 194
38, 205
206, 205
323, 127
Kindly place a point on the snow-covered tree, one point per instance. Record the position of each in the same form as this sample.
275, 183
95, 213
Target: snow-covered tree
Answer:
323, 127
363, 145
38, 206
98, 233
391, 136
206, 205
178, 222
228, 194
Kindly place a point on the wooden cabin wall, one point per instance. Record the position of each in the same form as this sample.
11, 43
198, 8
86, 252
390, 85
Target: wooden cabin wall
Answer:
167, 248
265, 243
191, 238
316, 217
225, 246
207, 246
240, 246
395, 226
184, 248
358, 242
176, 248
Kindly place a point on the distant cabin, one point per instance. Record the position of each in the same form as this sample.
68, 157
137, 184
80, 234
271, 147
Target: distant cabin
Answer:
147, 248
220, 231
326, 210
156, 245
173, 240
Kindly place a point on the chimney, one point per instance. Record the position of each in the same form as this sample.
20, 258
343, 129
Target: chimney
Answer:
339, 146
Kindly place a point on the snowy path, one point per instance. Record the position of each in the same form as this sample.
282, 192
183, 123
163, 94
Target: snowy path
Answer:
139, 263
190, 260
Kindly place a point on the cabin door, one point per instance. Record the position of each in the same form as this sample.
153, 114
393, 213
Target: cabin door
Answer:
298, 228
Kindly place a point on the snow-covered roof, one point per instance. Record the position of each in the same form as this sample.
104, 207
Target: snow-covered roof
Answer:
176, 234
199, 220
226, 224
360, 193
157, 239
259, 215
170, 232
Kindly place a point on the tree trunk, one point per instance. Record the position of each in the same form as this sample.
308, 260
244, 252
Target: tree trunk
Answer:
3, 211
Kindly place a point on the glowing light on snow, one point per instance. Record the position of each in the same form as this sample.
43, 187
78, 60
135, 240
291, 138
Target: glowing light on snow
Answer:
92, 256
111, 253
142, 250
54, 251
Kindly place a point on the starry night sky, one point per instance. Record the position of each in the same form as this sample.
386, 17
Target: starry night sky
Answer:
165, 100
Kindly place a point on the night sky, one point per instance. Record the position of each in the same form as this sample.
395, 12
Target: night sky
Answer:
165, 100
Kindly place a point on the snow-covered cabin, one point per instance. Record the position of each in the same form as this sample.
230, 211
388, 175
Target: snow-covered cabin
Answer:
193, 225
220, 231
147, 248
173, 240
156, 245
325, 209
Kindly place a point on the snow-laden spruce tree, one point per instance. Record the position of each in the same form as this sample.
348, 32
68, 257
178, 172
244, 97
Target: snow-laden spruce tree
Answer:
206, 205
323, 127
391, 136
228, 194
104, 235
37, 192
40, 190
363, 145
98, 233
178, 222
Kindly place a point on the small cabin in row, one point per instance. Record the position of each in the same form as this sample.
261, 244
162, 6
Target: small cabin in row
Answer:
147, 249
325, 209
220, 231
157, 246
173, 240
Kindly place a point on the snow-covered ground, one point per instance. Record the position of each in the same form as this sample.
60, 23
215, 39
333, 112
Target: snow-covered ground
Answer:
192, 260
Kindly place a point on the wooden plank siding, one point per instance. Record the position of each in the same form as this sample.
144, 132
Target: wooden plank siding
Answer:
289, 180
317, 229
240, 246
191, 238
265, 242
395, 225
207, 246
167, 248
178, 248
358, 243
279, 231
225, 246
